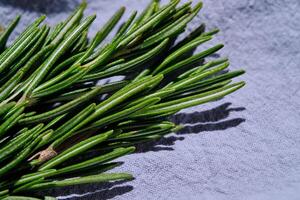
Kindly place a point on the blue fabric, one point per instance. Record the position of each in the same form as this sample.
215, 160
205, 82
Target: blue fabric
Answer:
245, 146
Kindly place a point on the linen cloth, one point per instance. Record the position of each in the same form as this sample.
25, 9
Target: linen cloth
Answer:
245, 146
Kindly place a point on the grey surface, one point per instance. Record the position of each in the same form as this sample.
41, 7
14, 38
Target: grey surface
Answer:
245, 146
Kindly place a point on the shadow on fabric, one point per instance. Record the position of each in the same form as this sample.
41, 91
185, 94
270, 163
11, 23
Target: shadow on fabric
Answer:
44, 6
195, 123
90, 191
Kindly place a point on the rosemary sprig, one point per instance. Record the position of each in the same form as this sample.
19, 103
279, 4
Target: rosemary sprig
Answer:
54, 114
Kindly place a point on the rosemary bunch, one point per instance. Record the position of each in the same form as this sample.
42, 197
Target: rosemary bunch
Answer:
53, 108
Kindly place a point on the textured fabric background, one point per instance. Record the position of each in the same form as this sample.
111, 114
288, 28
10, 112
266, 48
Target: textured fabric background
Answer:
245, 146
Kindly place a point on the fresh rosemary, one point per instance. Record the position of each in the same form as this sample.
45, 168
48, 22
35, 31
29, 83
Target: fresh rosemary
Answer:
59, 127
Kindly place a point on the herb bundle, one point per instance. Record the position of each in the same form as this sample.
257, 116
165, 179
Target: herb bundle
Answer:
53, 108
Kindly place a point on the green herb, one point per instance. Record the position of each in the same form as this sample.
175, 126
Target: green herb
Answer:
54, 112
